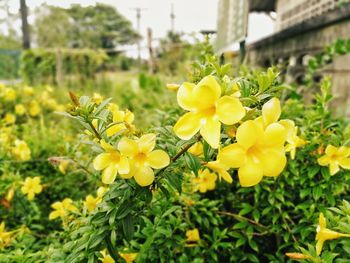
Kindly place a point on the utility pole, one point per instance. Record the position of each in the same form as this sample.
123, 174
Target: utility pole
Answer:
25, 26
138, 26
151, 60
172, 18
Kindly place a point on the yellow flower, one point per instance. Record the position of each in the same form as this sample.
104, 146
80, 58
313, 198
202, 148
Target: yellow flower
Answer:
5, 237
9, 94
91, 202
28, 91
207, 110
293, 140
20, 109
123, 121
61, 209
297, 256
231, 131
221, 169
9, 118
34, 108
63, 166
10, 194
205, 181
259, 150
143, 158
192, 235
324, 234
106, 258
128, 257
112, 107
21, 151
173, 87
196, 149
97, 98
31, 187
335, 157
112, 163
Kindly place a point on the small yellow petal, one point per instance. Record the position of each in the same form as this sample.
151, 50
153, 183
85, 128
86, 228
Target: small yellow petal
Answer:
271, 111
229, 110
158, 159
187, 126
206, 93
274, 135
128, 147
250, 174
102, 161
185, 97
323, 160
330, 150
109, 174
345, 163
232, 156
123, 165
144, 176
248, 134
333, 168
147, 142
211, 132
319, 246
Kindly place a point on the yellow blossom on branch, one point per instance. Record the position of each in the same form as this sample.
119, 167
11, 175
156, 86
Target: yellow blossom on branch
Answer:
335, 158
20, 109
192, 235
128, 257
123, 122
5, 237
207, 110
143, 158
293, 140
196, 149
9, 118
91, 202
111, 162
324, 234
9, 94
34, 108
62, 209
21, 151
205, 181
105, 257
31, 187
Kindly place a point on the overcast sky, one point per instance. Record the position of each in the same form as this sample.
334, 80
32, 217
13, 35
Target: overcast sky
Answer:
191, 15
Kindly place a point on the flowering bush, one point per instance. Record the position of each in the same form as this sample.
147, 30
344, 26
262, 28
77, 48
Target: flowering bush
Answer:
234, 174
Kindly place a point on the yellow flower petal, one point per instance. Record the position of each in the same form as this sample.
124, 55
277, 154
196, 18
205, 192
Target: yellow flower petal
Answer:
101, 161
144, 176
185, 97
323, 160
206, 93
273, 162
123, 165
187, 126
147, 142
232, 156
158, 159
322, 221
115, 129
271, 111
345, 163
248, 134
274, 135
229, 110
225, 175
54, 215
250, 174
331, 150
128, 147
289, 126
333, 168
211, 132
109, 174
319, 246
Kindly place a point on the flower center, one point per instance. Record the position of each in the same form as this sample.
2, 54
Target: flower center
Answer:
141, 157
253, 153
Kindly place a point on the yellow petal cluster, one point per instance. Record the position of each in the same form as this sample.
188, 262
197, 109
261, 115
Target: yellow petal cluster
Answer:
196, 149
324, 234
9, 118
20, 109
34, 108
112, 162
31, 187
192, 235
205, 181
293, 140
21, 151
259, 149
123, 121
335, 158
61, 209
128, 257
5, 237
207, 109
9, 94
106, 258
143, 158
91, 202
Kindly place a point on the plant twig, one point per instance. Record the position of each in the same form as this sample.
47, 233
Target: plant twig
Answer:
237, 216
98, 136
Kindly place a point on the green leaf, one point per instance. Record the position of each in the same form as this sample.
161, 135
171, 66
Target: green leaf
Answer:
128, 227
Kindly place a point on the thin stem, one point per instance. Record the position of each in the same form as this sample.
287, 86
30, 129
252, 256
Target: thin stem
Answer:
242, 218
98, 136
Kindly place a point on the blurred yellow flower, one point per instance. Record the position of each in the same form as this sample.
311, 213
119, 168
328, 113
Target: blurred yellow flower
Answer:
21, 151
192, 235
106, 258
9, 118
112, 163
324, 234
207, 110
293, 140
172, 86
123, 121
128, 257
63, 166
91, 202
97, 98
28, 91
221, 169
20, 109
259, 150
61, 209
34, 108
10, 194
196, 149
5, 237
297, 256
31, 187
143, 158
335, 158
9, 94
205, 181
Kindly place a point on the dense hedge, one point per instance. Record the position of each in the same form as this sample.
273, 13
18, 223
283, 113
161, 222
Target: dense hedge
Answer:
9, 63
40, 65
